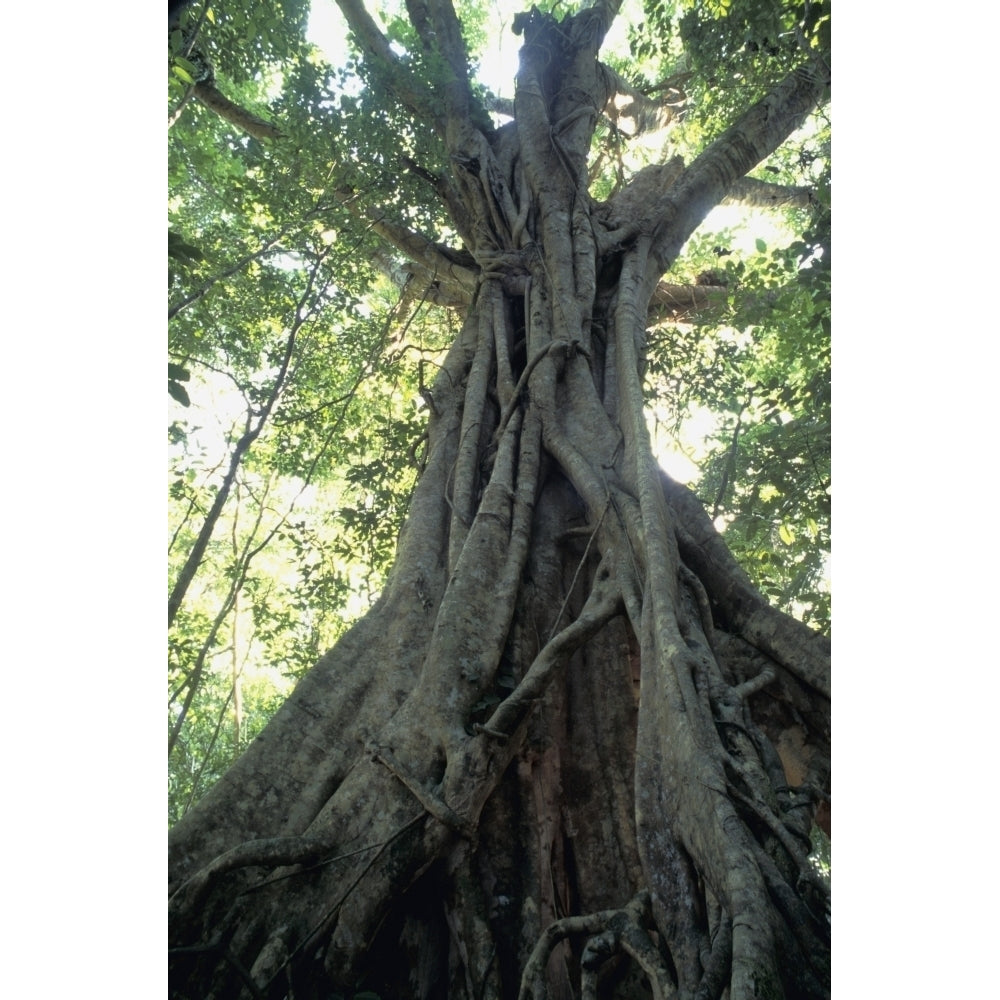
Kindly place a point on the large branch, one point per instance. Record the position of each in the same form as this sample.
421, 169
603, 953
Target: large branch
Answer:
440, 31
424, 284
799, 649
646, 113
755, 135
680, 303
763, 194
378, 50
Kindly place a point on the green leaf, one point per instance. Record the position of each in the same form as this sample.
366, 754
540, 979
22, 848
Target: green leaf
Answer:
178, 392
176, 373
761, 245
182, 74
786, 534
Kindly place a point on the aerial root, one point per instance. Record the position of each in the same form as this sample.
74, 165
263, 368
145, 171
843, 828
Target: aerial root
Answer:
432, 804
754, 684
273, 852
797, 851
609, 932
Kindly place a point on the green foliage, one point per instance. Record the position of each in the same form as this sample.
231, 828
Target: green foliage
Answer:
820, 856
175, 376
734, 50
239, 38
213, 738
763, 367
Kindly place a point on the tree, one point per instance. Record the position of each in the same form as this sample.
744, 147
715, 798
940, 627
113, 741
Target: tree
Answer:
571, 750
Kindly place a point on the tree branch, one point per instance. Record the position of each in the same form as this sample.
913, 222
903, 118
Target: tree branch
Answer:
430, 285
253, 430
228, 272
755, 135
440, 30
684, 302
763, 194
377, 49
442, 261
648, 114
246, 121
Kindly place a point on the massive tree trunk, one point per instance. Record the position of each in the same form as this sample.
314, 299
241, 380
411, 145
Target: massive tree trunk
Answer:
548, 762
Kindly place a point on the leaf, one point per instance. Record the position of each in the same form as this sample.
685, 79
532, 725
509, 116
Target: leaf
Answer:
176, 373
786, 534
178, 392
761, 245
182, 74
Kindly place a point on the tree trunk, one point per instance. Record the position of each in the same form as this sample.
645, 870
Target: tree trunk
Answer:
546, 763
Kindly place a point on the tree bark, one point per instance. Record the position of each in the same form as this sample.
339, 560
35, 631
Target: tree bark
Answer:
545, 763
762, 194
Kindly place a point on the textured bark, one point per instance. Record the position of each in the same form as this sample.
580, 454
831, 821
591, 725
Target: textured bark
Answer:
761, 194
546, 763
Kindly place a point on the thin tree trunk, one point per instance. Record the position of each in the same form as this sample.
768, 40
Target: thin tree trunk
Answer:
255, 423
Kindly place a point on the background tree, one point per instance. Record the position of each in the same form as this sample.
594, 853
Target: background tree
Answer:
571, 749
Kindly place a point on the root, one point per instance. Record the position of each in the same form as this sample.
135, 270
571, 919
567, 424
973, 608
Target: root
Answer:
433, 805
610, 932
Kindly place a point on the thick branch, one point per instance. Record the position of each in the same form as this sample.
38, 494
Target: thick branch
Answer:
646, 113
762, 194
376, 47
755, 135
427, 285
684, 302
441, 33
213, 98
